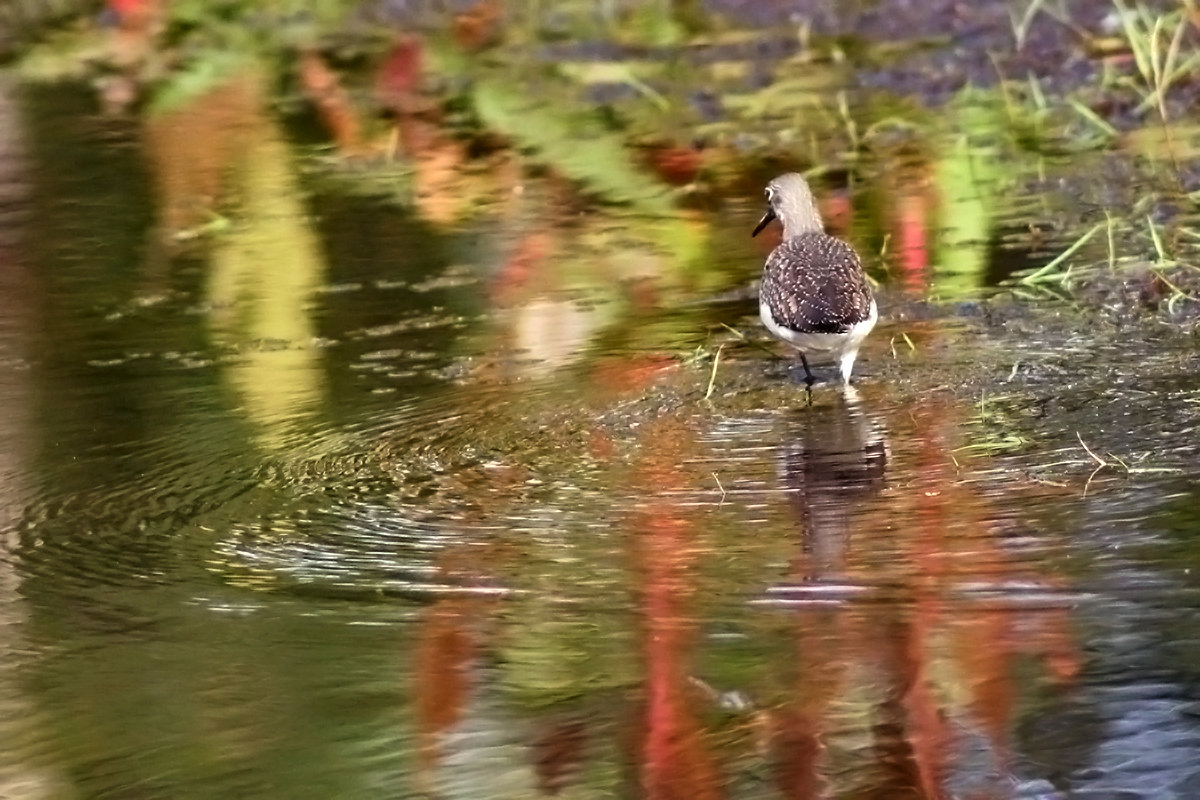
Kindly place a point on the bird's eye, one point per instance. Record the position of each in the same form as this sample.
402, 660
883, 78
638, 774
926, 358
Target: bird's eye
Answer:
770, 194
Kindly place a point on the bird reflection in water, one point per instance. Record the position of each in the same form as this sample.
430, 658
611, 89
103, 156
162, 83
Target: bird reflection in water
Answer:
901, 681
834, 461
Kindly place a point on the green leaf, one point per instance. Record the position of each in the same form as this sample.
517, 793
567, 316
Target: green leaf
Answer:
204, 72
570, 142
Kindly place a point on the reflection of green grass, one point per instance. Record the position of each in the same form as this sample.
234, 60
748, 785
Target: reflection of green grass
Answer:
994, 428
968, 178
801, 115
570, 141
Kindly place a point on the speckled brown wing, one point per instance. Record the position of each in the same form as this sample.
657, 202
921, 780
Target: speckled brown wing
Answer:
814, 283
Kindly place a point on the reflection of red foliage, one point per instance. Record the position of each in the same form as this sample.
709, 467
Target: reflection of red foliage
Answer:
517, 270
628, 374
479, 26
795, 748
927, 728
193, 148
135, 13
131, 43
398, 89
601, 446
448, 643
942, 657
676, 165
399, 77
444, 653
1058, 646
333, 103
837, 213
558, 751
912, 248
675, 763
985, 639
935, 509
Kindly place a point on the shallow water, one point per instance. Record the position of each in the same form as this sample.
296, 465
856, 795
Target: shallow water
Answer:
357, 505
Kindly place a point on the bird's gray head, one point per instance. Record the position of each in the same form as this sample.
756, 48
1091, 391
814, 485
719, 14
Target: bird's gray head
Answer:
791, 202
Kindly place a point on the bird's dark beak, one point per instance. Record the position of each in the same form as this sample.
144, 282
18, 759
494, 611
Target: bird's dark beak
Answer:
762, 223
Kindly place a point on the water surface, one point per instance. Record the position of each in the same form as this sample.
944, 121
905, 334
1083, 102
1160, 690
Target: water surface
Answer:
350, 503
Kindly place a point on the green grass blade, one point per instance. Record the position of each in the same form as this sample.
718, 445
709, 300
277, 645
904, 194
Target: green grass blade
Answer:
1048, 270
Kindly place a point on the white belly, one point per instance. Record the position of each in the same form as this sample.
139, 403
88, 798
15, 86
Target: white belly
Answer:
843, 346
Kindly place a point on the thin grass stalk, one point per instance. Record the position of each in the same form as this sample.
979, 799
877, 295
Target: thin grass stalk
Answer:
1135, 39
1042, 273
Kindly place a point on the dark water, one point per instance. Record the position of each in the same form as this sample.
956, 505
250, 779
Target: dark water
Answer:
352, 504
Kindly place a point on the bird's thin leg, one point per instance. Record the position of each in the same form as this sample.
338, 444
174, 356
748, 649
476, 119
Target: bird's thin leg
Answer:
808, 376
